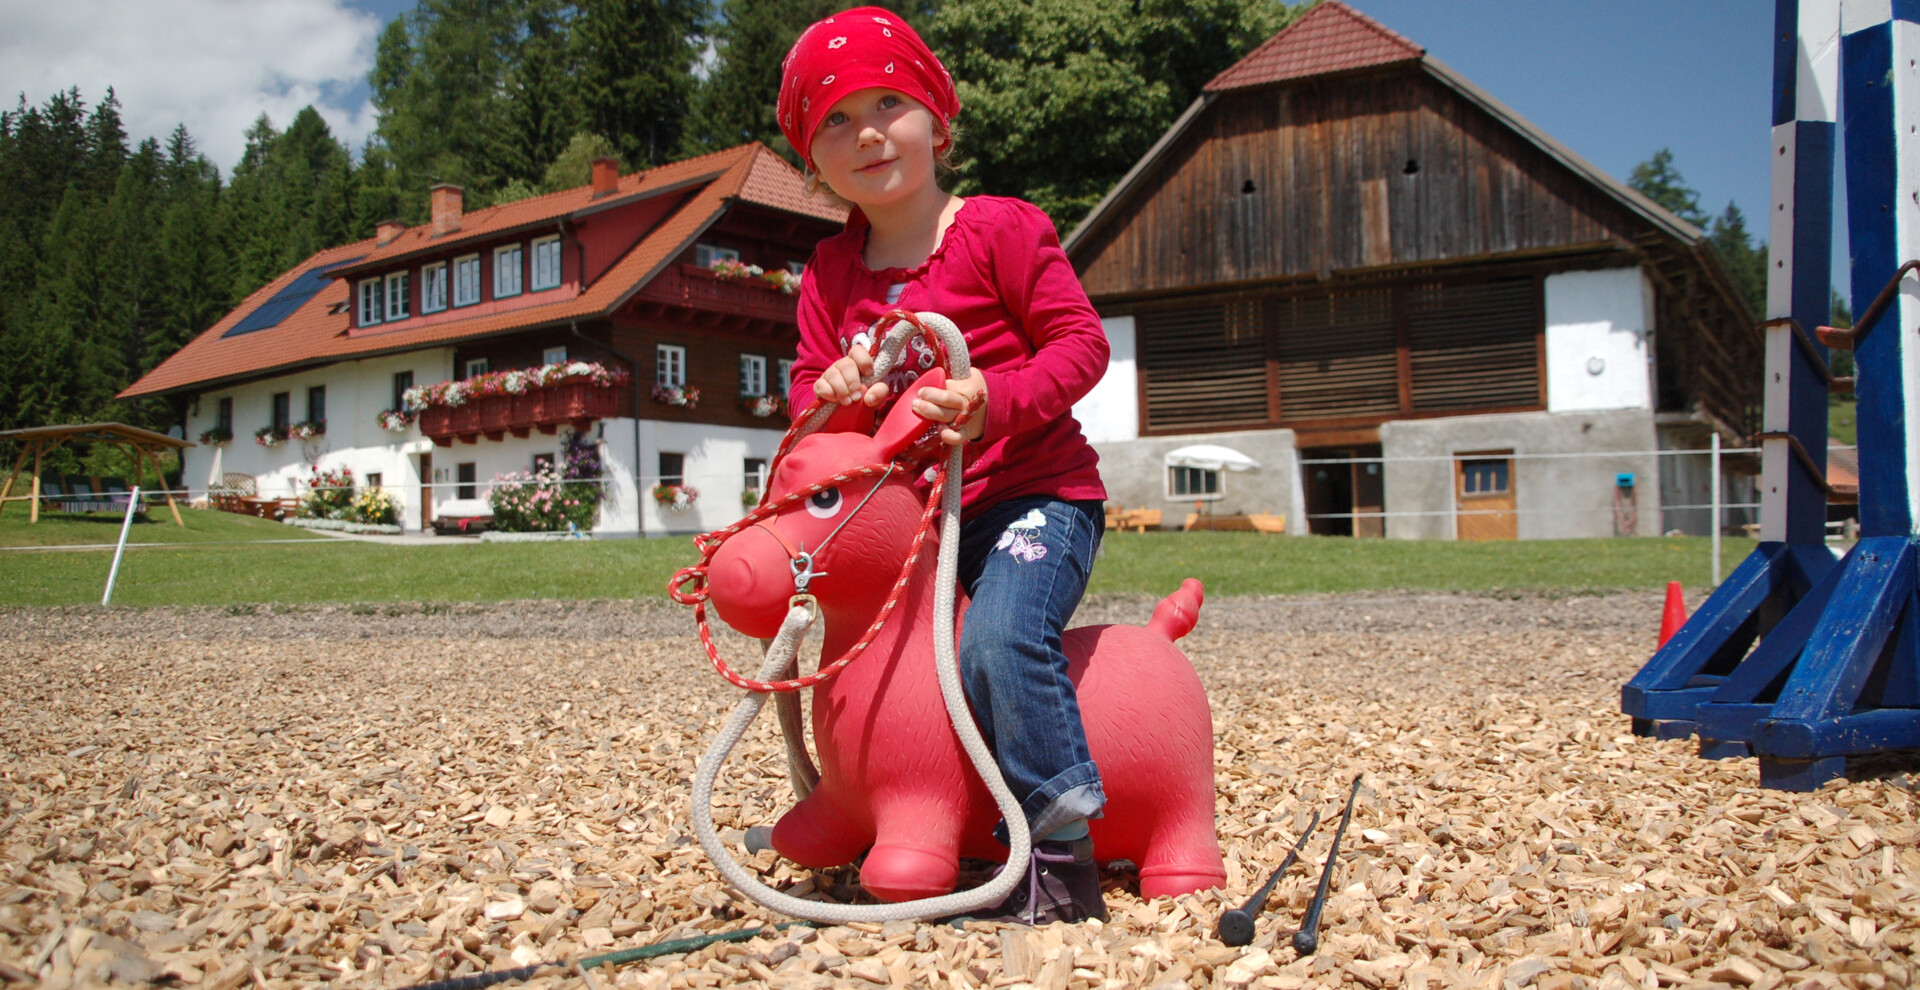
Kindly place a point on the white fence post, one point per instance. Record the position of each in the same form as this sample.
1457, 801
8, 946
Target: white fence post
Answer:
1715, 527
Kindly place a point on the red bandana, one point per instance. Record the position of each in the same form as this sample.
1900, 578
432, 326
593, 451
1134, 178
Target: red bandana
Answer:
857, 49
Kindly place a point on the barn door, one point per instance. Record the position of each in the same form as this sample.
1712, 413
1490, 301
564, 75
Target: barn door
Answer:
1483, 496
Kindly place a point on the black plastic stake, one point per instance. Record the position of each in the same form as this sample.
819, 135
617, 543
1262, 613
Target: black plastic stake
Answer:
1307, 940
1236, 926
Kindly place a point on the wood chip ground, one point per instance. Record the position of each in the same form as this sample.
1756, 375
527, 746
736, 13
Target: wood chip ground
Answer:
378, 797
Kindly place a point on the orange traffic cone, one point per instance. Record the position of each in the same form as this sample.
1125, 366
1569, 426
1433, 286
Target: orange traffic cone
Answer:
1675, 614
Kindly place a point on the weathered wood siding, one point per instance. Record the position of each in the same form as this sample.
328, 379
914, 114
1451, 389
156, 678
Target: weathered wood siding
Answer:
1338, 174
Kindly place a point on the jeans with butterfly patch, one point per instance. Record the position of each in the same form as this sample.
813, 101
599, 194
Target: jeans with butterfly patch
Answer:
1024, 563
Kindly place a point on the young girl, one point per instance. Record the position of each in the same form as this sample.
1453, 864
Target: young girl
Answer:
869, 109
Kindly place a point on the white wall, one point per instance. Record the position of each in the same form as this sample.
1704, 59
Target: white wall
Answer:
1111, 413
1597, 327
715, 465
357, 391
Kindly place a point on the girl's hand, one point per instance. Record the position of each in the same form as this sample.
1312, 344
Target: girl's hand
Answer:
840, 383
962, 403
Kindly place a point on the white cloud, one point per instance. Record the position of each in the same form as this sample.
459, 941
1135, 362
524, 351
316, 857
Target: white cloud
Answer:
214, 65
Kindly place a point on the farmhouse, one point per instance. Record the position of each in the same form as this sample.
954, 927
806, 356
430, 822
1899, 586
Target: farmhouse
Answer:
628, 303
1345, 252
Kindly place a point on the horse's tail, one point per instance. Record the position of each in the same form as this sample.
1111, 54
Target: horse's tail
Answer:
1177, 613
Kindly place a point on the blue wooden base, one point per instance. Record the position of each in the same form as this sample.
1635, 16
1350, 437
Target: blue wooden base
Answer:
1695, 663
1837, 675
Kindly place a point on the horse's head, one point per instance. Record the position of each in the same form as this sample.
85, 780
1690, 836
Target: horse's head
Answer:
854, 532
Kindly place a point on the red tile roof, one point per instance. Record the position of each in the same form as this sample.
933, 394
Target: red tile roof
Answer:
313, 334
1332, 37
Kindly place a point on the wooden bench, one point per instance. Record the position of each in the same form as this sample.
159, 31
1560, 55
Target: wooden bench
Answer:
1139, 520
1255, 522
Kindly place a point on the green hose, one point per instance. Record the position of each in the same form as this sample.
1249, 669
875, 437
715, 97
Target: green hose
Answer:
620, 958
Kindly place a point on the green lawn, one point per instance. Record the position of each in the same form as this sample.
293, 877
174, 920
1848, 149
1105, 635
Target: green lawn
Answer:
205, 565
61, 529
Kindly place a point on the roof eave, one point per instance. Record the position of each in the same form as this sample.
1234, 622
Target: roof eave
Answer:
1648, 210
1098, 216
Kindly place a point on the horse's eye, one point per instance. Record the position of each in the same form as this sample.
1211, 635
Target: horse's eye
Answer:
824, 503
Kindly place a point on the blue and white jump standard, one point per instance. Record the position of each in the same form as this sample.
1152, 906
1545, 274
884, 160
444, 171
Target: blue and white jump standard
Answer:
1837, 671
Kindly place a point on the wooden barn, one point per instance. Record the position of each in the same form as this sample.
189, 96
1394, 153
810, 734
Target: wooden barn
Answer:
1345, 252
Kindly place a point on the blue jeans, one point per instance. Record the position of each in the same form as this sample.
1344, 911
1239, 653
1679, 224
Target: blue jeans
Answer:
1025, 563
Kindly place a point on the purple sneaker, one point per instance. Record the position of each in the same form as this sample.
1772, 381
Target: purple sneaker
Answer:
1062, 884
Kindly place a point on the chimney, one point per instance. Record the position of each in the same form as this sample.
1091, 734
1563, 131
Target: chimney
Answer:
386, 230
606, 176
447, 199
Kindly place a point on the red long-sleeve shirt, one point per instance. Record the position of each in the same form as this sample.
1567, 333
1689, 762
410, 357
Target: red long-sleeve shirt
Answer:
1001, 277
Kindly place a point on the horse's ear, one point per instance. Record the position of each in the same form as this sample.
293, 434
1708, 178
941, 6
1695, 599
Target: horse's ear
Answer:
856, 417
904, 426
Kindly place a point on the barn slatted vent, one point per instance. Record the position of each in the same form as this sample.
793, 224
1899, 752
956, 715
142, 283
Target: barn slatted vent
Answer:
1474, 346
1205, 367
1337, 355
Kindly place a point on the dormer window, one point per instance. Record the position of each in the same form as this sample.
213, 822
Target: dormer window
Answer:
704, 255
466, 280
369, 302
546, 263
506, 271
397, 301
433, 287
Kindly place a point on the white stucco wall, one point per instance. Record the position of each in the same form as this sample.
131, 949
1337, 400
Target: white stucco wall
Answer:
1597, 328
1111, 412
356, 392
715, 464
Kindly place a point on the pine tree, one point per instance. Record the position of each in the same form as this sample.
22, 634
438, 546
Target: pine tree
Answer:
1746, 265
735, 104
635, 60
1659, 180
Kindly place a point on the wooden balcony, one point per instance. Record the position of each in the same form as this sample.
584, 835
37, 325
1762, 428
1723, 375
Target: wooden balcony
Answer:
546, 409
750, 304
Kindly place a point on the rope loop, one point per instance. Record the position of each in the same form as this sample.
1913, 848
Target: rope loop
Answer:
681, 577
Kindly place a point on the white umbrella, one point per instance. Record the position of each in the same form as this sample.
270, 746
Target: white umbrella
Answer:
1210, 457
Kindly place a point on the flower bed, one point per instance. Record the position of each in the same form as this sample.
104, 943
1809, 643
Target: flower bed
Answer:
685, 396
329, 495
763, 405
675, 498
566, 499
497, 536
518, 381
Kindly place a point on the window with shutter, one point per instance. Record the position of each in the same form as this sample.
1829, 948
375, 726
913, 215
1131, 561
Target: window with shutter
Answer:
1204, 367
1337, 355
1474, 346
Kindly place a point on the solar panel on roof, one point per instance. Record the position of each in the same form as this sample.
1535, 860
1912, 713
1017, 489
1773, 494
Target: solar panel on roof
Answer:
289, 299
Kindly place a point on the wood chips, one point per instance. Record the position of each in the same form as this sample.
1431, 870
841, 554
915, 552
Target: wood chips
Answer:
375, 797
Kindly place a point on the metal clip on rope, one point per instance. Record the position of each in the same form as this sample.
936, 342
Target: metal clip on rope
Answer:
784, 650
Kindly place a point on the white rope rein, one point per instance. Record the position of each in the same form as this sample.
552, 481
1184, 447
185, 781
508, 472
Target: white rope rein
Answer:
782, 653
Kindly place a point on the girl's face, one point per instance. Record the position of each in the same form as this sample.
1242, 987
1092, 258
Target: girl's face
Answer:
875, 147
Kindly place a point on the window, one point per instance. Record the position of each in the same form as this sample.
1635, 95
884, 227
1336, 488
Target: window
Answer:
282, 411
224, 422
506, 271
397, 285
785, 366
1484, 477
797, 267
554, 355
402, 380
1198, 484
478, 366
705, 255
369, 302
1203, 368
374, 479
756, 473
669, 364
542, 462
466, 280
753, 375
465, 474
673, 468
433, 287
546, 263
317, 404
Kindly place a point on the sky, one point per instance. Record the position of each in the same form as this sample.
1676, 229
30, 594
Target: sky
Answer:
1614, 80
